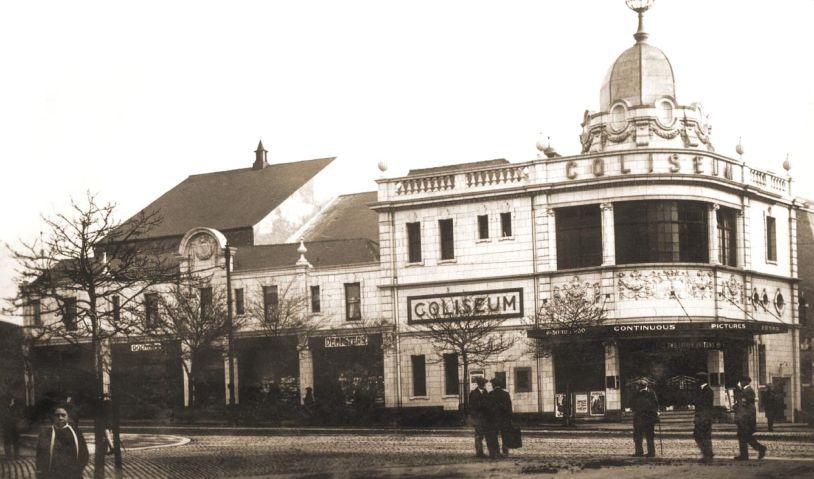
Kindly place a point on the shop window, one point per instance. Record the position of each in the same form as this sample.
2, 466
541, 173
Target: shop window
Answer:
661, 232
483, 227
271, 300
579, 236
316, 305
451, 379
522, 380
447, 239
151, 314
240, 302
505, 225
419, 375
771, 239
414, 242
206, 301
727, 240
36, 312
761, 365
353, 302
117, 308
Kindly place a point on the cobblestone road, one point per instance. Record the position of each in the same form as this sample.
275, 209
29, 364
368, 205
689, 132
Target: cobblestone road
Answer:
225, 456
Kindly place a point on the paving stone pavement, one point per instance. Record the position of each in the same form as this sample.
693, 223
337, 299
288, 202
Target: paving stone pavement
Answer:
242, 456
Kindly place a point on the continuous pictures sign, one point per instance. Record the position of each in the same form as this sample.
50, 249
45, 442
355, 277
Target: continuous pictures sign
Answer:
492, 304
718, 329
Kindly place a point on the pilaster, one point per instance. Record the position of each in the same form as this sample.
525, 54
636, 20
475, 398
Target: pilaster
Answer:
546, 372
552, 239
613, 395
712, 228
745, 244
608, 235
306, 359
717, 376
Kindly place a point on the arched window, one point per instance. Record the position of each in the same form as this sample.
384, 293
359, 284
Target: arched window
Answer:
618, 116
665, 112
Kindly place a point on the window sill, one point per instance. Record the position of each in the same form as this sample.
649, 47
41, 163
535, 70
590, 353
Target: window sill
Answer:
413, 265
506, 238
768, 261
419, 398
449, 396
353, 320
483, 240
319, 313
447, 261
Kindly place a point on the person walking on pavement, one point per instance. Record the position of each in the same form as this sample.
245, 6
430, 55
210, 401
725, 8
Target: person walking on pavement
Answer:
746, 420
702, 422
61, 449
477, 413
500, 419
772, 404
12, 418
645, 407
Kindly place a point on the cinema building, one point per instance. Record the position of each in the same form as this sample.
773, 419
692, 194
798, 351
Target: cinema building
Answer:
691, 253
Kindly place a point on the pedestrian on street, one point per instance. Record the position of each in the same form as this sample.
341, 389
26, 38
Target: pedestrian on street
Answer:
566, 409
12, 418
645, 407
499, 404
746, 420
772, 404
702, 423
61, 449
478, 412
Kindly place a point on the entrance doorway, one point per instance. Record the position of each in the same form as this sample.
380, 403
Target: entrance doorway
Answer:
348, 373
670, 372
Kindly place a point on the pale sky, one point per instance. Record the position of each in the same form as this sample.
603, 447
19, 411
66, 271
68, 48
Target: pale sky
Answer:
128, 98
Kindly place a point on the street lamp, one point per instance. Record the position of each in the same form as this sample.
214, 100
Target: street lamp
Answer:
640, 6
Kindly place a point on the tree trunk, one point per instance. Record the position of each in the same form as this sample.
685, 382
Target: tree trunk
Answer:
465, 361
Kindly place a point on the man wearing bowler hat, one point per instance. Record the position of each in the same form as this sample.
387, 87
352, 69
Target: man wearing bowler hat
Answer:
477, 413
499, 405
645, 407
702, 422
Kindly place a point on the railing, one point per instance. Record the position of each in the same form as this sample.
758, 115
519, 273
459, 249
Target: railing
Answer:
768, 180
426, 184
497, 176
494, 176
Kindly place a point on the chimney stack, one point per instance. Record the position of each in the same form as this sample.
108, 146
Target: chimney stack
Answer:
260, 157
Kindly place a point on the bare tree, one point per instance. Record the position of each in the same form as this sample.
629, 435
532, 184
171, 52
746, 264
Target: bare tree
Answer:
193, 313
478, 337
87, 270
284, 313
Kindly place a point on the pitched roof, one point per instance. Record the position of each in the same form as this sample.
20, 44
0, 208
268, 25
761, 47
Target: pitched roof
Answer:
226, 200
460, 166
320, 254
348, 217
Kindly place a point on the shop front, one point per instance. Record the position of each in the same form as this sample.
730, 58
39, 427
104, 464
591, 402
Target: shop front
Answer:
348, 371
268, 372
147, 377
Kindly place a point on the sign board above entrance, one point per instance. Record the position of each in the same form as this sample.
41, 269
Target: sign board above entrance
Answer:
656, 329
492, 304
356, 340
142, 347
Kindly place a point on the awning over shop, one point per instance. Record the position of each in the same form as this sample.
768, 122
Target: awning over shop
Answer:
711, 329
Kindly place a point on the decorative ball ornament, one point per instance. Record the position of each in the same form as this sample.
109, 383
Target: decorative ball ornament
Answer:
787, 163
382, 166
541, 146
639, 6
739, 147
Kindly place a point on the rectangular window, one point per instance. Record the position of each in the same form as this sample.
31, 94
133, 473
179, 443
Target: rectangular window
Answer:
414, 242
483, 227
151, 315
727, 242
771, 239
270, 300
579, 236
36, 312
451, 378
206, 301
447, 239
353, 301
661, 232
419, 375
316, 306
117, 308
505, 225
240, 302
761, 365
69, 313
522, 380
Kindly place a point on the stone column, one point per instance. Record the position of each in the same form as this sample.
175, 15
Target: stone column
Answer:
712, 228
226, 374
546, 373
552, 240
613, 395
107, 363
608, 235
389, 360
717, 378
306, 359
186, 366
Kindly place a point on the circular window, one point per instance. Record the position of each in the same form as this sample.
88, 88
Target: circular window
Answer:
779, 302
755, 298
618, 120
765, 300
665, 112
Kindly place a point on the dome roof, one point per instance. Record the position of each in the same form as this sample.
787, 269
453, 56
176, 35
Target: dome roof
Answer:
641, 75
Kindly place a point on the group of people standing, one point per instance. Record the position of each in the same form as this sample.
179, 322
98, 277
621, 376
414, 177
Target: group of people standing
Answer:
490, 413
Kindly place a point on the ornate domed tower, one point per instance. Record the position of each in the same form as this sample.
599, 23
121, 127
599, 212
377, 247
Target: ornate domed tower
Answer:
638, 105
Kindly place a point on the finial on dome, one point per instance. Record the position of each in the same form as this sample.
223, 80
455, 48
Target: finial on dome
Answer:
739, 147
787, 163
640, 6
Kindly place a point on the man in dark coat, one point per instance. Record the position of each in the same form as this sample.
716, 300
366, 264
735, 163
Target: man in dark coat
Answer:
478, 412
702, 423
746, 420
645, 407
61, 449
499, 418
12, 417
772, 404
